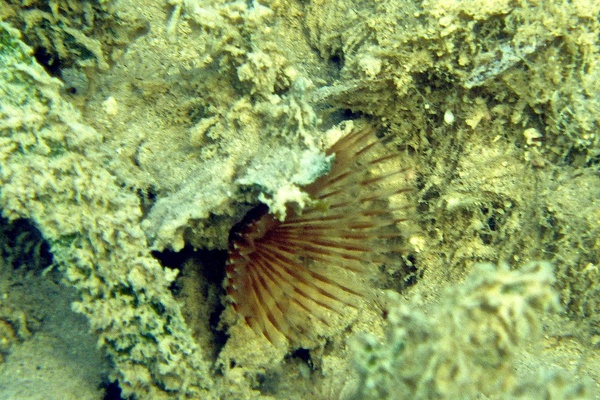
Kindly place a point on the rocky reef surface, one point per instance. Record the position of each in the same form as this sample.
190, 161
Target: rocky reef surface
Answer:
135, 134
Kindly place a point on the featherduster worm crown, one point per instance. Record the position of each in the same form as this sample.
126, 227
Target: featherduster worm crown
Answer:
289, 279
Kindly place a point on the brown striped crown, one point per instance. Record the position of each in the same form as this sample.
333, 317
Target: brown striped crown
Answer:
289, 278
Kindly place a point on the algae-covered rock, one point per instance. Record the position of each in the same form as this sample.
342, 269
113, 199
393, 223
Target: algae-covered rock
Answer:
500, 102
92, 225
69, 36
467, 346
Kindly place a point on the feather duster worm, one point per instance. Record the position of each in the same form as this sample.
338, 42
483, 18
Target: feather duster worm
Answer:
288, 278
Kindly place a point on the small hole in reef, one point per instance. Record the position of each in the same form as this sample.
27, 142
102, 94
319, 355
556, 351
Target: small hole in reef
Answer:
24, 245
492, 223
112, 391
49, 61
337, 60
303, 355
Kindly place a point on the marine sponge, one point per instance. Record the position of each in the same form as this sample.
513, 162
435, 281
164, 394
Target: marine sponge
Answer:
291, 279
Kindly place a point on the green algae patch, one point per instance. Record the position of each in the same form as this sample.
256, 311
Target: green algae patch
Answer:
92, 226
